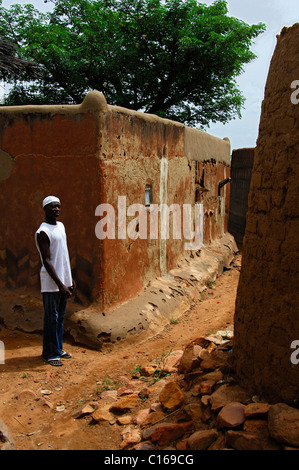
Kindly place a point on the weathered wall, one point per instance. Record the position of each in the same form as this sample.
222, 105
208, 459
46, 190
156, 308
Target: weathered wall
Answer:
266, 318
241, 168
89, 155
139, 150
52, 150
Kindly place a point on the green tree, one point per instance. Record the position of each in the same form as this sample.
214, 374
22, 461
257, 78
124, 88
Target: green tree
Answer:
178, 59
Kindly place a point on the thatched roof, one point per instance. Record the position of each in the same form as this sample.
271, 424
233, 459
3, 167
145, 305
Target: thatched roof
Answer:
10, 63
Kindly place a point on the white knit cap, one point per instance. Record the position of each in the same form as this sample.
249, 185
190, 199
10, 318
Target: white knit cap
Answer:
50, 199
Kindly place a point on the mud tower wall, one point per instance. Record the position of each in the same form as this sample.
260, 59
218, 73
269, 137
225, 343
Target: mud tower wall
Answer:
266, 316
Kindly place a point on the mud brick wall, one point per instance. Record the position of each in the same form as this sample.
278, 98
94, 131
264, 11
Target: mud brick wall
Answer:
88, 155
266, 317
48, 150
139, 150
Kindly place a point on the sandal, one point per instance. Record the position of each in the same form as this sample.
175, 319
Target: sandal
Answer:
65, 355
54, 362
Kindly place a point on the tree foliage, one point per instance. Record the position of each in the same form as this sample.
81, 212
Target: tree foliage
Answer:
175, 58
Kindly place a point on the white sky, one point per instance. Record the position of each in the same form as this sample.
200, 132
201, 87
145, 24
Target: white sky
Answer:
275, 14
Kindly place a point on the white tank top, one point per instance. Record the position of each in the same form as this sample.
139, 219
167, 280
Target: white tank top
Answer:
59, 257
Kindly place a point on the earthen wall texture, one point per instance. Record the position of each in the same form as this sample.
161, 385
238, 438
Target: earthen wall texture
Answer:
136, 152
266, 317
90, 155
50, 155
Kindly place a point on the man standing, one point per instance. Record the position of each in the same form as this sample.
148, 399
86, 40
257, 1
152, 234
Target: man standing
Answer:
57, 284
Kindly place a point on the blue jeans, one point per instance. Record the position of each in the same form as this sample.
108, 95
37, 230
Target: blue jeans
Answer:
54, 311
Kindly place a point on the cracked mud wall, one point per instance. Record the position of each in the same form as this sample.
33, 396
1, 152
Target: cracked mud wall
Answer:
266, 317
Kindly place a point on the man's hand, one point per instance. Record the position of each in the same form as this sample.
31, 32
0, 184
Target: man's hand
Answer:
74, 287
65, 291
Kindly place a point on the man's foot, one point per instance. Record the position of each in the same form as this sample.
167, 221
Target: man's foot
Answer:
65, 355
54, 362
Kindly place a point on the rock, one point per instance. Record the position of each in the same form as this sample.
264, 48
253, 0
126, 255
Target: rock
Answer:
146, 445
144, 392
254, 410
259, 427
194, 410
130, 436
201, 440
189, 359
147, 371
6, 439
215, 375
231, 416
124, 404
164, 433
182, 445
172, 361
109, 396
219, 443
124, 391
154, 417
283, 424
171, 396
205, 400
226, 334
156, 406
125, 381
141, 416
216, 338
207, 362
196, 390
204, 355
220, 357
206, 387
83, 411
256, 426
124, 420
241, 440
226, 394
156, 389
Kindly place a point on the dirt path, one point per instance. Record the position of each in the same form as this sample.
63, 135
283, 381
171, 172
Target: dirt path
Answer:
37, 401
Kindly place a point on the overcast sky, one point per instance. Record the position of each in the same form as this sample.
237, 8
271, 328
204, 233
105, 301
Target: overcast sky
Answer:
275, 14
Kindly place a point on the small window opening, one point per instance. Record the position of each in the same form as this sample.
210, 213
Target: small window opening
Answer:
148, 195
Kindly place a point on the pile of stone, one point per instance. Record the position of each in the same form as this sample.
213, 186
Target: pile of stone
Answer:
198, 406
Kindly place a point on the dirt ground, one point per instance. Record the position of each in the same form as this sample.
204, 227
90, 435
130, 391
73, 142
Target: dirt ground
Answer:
37, 400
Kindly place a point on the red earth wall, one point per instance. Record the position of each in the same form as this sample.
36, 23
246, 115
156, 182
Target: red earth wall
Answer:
88, 155
266, 317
